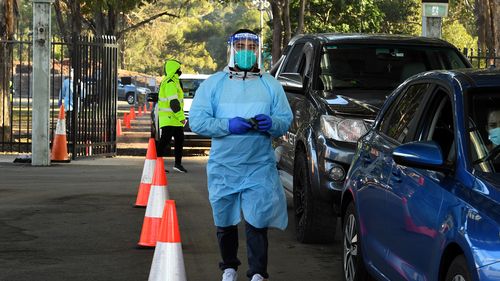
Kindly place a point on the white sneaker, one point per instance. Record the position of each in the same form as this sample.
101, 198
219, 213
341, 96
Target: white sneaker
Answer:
229, 275
257, 277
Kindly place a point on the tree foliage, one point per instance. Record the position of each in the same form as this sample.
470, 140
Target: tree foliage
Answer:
197, 38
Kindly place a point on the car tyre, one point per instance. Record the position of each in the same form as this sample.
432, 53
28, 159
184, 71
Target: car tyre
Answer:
458, 270
130, 98
315, 220
352, 259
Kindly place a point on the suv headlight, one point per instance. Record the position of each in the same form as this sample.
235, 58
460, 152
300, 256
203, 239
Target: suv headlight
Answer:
340, 129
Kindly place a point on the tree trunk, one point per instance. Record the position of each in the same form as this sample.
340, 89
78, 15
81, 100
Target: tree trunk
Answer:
76, 17
277, 30
111, 26
8, 15
488, 23
495, 20
63, 28
287, 27
300, 23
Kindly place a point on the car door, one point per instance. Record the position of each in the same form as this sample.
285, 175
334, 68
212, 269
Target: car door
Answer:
394, 128
415, 197
297, 61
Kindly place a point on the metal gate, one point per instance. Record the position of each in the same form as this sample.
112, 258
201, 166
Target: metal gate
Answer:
91, 120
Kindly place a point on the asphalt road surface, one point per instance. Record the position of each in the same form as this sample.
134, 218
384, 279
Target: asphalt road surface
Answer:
76, 222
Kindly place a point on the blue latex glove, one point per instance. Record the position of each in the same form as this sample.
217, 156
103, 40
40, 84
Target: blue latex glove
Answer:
264, 122
238, 125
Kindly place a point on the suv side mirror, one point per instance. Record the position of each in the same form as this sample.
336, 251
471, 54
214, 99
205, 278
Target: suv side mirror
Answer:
291, 82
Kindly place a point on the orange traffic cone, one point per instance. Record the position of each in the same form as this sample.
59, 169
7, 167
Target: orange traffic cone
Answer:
168, 262
59, 145
156, 202
127, 121
132, 113
140, 111
147, 175
145, 109
118, 127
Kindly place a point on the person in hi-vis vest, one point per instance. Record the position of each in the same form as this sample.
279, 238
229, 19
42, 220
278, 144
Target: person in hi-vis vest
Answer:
171, 113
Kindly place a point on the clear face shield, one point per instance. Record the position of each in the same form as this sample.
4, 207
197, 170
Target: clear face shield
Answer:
243, 51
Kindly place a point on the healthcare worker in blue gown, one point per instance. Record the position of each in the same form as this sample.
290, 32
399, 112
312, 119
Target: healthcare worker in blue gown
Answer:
242, 108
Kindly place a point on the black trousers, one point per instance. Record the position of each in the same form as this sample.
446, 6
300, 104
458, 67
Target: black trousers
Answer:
257, 245
167, 133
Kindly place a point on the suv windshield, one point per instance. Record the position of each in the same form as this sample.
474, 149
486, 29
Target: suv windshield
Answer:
189, 86
381, 67
484, 128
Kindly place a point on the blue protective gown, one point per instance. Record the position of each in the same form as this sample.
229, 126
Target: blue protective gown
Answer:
242, 173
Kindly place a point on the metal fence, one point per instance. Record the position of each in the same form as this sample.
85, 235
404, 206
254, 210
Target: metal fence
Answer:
91, 120
482, 58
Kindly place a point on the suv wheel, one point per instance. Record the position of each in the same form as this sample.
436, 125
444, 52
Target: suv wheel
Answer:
352, 259
315, 220
458, 270
130, 98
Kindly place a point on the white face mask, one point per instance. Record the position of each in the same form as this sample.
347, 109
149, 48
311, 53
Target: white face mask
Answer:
494, 136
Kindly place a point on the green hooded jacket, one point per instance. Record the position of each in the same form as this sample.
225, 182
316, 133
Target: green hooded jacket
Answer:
171, 93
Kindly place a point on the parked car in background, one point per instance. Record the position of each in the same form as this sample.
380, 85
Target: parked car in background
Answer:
131, 93
190, 83
422, 198
336, 84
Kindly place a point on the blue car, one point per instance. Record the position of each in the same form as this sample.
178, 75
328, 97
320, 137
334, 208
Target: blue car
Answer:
422, 197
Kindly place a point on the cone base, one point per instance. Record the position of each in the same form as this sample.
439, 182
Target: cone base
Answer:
168, 263
61, 161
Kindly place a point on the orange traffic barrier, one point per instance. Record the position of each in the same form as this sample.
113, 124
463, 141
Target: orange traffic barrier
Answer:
168, 262
140, 111
118, 127
59, 151
156, 202
132, 113
147, 175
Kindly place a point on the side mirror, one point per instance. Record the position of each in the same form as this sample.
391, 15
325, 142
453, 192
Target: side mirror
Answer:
152, 97
421, 154
291, 82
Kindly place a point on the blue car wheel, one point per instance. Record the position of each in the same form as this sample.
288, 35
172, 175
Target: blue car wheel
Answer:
352, 259
458, 270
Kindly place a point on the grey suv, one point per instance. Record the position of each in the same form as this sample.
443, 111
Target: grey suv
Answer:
336, 84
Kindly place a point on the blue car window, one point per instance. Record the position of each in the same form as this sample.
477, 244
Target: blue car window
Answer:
400, 117
438, 125
484, 129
